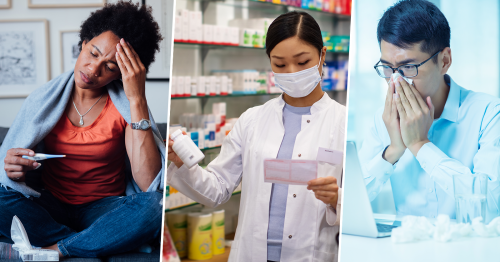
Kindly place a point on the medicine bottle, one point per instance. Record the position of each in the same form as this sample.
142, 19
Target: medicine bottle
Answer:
186, 149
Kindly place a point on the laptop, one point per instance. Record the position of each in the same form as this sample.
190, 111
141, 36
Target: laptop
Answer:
357, 210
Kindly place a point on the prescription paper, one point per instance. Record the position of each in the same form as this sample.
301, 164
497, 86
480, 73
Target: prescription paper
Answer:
331, 156
288, 171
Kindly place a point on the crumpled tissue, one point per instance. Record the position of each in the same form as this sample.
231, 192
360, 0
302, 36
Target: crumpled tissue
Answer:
412, 229
415, 229
490, 230
444, 231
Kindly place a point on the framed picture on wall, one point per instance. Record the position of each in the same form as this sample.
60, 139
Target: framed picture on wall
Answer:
163, 13
5, 4
24, 56
65, 3
69, 49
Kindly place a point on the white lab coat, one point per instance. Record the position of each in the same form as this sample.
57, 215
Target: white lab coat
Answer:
310, 225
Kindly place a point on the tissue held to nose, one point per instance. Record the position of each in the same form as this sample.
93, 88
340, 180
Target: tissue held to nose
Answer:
395, 76
415, 229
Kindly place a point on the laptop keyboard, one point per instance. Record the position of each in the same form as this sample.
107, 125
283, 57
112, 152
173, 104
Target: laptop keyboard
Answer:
385, 228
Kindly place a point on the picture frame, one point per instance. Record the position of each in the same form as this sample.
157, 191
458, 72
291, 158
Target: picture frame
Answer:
5, 4
163, 13
69, 48
65, 3
24, 56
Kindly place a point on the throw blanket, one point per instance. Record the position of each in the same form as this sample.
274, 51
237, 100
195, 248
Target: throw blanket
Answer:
39, 115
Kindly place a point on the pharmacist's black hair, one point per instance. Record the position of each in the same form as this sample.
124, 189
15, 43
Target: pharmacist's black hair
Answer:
132, 22
409, 22
300, 24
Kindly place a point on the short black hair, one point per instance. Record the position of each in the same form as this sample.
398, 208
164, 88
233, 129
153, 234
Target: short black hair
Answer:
411, 21
300, 24
132, 22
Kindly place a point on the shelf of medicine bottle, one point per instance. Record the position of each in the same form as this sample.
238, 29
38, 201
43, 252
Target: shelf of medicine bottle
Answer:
215, 46
177, 42
240, 95
268, 7
194, 203
228, 96
292, 8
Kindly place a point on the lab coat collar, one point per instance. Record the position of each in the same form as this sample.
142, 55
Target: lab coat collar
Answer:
450, 111
320, 105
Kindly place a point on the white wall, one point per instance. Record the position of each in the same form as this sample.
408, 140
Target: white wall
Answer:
61, 19
474, 44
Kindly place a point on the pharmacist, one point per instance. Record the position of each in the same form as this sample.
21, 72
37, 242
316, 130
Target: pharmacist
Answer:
279, 222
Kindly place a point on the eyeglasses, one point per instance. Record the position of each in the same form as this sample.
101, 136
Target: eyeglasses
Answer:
407, 70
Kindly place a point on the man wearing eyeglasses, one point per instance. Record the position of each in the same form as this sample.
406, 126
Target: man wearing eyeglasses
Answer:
432, 129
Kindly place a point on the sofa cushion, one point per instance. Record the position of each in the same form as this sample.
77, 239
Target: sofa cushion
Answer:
4, 239
77, 259
162, 128
136, 257
3, 133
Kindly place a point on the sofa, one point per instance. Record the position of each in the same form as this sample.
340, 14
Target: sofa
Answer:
154, 256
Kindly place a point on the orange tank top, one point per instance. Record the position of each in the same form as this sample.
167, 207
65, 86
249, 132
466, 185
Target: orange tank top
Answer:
94, 166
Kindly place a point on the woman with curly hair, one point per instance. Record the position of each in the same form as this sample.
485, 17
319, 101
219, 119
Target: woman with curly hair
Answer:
104, 197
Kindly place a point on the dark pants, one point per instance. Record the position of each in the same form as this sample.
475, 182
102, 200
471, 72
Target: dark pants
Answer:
104, 227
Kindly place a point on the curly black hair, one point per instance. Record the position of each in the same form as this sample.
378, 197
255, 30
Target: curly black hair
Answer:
132, 22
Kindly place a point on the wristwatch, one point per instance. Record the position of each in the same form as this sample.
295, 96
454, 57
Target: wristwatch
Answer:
144, 124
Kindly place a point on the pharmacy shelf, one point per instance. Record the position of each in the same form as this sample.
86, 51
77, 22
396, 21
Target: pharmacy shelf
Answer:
193, 204
210, 148
334, 94
216, 46
291, 8
178, 42
270, 7
228, 96
240, 95
204, 99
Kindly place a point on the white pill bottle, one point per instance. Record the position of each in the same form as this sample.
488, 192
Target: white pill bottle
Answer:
186, 149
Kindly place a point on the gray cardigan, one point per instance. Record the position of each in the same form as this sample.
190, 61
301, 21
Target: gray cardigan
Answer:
40, 113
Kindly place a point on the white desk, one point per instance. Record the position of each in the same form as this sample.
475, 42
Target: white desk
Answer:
354, 248
475, 249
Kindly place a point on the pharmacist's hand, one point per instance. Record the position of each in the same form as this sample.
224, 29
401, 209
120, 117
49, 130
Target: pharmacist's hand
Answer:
172, 156
16, 166
325, 189
390, 116
416, 115
133, 72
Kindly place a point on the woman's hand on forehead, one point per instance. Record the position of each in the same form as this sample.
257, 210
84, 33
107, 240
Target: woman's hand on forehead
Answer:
132, 70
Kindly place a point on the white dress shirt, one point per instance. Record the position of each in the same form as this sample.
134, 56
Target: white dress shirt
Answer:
464, 140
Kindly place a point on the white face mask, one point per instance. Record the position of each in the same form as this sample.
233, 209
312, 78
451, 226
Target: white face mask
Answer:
301, 83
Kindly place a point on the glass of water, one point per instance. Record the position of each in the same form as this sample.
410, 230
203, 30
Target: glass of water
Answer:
470, 196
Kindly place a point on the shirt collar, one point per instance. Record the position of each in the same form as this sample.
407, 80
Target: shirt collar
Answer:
321, 104
450, 111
